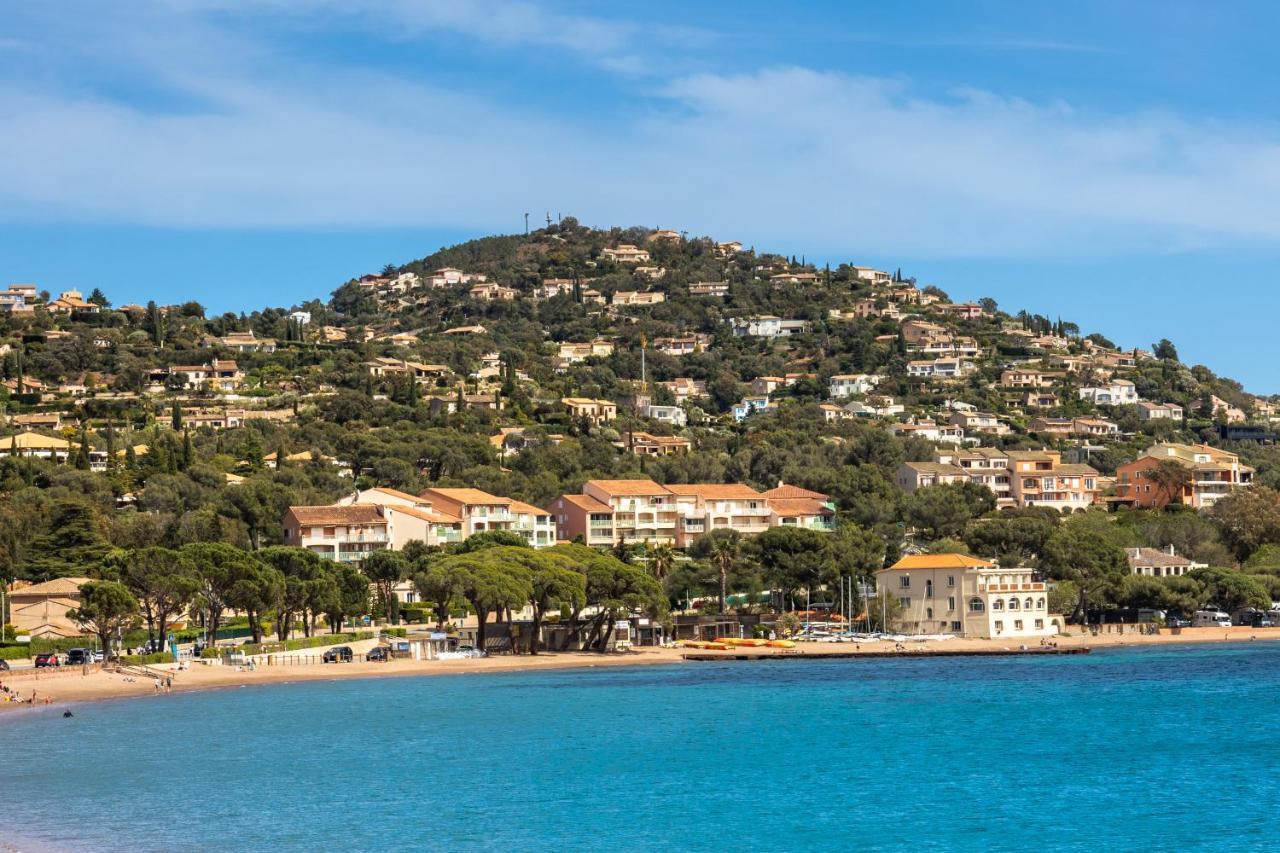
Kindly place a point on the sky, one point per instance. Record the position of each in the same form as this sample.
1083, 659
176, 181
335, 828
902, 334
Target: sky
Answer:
1114, 164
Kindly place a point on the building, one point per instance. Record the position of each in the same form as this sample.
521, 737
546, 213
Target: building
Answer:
597, 411
585, 516
984, 466
492, 292
929, 430
768, 326
751, 405
982, 422
1212, 474
242, 342
217, 375
576, 353
941, 368
1156, 563
683, 345
958, 594
792, 506
683, 388
851, 384
703, 507
644, 444
346, 534
40, 610
1118, 392
673, 415
1040, 478
72, 302
1016, 377
625, 254
709, 289
642, 511
871, 274
1149, 411
46, 447
918, 475
638, 297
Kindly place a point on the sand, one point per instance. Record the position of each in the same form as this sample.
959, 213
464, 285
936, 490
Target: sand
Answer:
71, 685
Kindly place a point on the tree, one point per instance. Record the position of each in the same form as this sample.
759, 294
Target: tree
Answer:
441, 584
106, 609
1084, 551
164, 582
1232, 591
1170, 478
661, 560
257, 589
1249, 519
1010, 539
944, 510
385, 569
219, 568
1164, 350
553, 586
492, 580
794, 558
723, 553
856, 551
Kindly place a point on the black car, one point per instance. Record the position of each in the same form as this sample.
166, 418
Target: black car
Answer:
378, 653
79, 657
4, 665
338, 654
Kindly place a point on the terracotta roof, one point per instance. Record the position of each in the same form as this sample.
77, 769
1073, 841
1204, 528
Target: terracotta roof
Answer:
430, 515
57, 586
791, 507
715, 491
467, 496
34, 441
940, 561
628, 487
587, 503
788, 492
1155, 557
354, 514
522, 507
396, 493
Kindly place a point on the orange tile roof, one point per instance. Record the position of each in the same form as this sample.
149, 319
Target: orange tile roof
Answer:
715, 491
521, 506
430, 515
628, 487
786, 491
791, 507
353, 514
467, 496
587, 503
940, 561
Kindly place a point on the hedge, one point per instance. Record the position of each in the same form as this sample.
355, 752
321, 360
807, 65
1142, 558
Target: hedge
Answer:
301, 643
142, 660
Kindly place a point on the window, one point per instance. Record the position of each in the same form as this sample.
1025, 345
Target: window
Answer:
951, 602
905, 581
1013, 604
928, 588
1026, 605
951, 580
904, 602
955, 626
975, 605
999, 626
330, 532
1039, 624
928, 613
1017, 625
1039, 604
997, 604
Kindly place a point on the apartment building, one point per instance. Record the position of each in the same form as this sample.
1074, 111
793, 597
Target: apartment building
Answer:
984, 466
966, 596
478, 510
941, 368
1040, 478
702, 507
1212, 474
643, 511
346, 534
792, 506
1118, 392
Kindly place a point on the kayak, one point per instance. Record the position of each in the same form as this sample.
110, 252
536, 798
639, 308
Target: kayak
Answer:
781, 644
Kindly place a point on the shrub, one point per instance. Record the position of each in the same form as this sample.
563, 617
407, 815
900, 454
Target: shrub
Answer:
142, 660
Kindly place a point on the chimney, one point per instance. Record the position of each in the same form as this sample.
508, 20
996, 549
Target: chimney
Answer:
1172, 553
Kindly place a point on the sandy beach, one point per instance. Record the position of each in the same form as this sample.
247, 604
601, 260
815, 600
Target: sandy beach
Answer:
71, 685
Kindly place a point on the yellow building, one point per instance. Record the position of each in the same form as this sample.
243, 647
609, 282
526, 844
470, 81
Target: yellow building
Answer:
958, 594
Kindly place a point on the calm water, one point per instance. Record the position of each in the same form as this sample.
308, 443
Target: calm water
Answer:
1171, 748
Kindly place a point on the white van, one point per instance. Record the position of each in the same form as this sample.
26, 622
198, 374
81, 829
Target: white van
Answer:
1210, 619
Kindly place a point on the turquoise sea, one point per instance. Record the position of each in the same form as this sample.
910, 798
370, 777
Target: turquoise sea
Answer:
1171, 748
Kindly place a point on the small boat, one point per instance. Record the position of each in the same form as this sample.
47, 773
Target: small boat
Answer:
780, 644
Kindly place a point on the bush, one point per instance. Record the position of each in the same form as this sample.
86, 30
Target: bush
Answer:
142, 660
301, 643
415, 612
15, 652
394, 632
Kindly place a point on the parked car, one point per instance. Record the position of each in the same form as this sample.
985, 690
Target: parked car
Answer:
99, 655
79, 657
378, 653
1177, 622
48, 659
338, 654
4, 665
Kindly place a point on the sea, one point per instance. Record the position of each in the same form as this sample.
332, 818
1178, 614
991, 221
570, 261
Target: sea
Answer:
1172, 747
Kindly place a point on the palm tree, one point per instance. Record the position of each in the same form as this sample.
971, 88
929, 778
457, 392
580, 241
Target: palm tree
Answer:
661, 560
724, 556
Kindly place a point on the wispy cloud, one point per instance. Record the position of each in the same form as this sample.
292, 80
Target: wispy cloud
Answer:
789, 153
990, 43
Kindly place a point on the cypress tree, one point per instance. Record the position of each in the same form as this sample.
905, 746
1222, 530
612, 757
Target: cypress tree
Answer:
82, 455
175, 416
187, 451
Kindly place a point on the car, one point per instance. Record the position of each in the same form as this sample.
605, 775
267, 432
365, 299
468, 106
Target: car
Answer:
79, 657
1177, 622
99, 655
48, 659
4, 665
338, 654
378, 653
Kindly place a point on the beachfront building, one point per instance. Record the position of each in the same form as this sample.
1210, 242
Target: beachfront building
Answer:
40, 610
966, 596
792, 506
346, 534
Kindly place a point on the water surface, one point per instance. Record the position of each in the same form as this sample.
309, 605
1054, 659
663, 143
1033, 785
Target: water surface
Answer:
1127, 748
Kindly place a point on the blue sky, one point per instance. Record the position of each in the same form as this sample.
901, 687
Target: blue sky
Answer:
1115, 164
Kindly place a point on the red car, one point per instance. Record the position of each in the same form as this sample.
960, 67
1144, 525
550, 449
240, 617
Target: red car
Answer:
48, 659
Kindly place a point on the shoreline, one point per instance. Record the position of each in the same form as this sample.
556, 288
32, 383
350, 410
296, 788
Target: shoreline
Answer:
68, 687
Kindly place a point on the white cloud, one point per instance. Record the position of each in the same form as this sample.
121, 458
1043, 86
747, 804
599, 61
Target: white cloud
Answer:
790, 155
